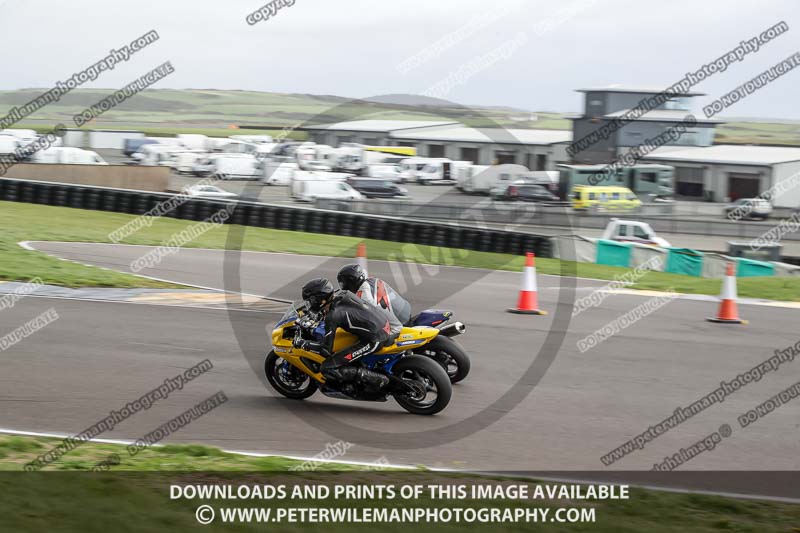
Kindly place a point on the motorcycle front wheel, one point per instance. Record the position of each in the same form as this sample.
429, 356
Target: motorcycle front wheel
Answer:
288, 380
431, 389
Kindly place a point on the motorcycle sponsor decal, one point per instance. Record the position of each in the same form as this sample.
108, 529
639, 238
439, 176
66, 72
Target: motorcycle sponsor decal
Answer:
348, 357
406, 343
406, 336
278, 349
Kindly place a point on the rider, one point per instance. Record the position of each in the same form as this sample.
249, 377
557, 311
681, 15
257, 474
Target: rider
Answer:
343, 310
375, 291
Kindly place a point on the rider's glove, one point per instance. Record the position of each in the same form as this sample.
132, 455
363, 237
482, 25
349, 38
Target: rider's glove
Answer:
301, 344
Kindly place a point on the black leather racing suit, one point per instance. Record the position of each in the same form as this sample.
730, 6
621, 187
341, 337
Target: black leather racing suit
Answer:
366, 322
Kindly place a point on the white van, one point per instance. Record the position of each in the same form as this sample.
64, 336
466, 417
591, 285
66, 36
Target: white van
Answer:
183, 161
68, 156
278, 172
482, 179
237, 147
8, 144
257, 139
308, 186
414, 165
236, 166
24, 137
265, 150
443, 172
193, 141
391, 173
155, 155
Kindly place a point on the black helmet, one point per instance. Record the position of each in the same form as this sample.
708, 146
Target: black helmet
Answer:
317, 293
351, 277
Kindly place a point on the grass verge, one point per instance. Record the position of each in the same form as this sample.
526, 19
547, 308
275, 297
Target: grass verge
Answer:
134, 495
21, 222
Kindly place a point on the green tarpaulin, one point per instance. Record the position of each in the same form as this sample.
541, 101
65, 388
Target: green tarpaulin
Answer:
750, 267
613, 253
685, 261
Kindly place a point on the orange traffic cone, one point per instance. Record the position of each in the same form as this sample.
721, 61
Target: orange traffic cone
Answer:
728, 311
528, 301
361, 255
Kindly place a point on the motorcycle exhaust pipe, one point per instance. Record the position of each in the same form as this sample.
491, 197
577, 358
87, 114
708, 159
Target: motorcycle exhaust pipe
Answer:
454, 329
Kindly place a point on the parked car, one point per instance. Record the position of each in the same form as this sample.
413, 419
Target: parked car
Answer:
523, 192
376, 188
632, 231
207, 191
748, 208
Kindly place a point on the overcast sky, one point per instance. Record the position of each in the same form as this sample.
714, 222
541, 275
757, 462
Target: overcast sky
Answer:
527, 54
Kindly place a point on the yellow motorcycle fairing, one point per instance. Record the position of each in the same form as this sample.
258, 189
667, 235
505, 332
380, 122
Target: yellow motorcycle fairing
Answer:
408, 339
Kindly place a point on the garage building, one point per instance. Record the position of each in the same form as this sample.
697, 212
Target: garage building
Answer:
726, 172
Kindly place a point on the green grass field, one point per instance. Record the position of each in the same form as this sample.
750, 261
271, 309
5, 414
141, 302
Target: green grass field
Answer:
134, 495
30, 222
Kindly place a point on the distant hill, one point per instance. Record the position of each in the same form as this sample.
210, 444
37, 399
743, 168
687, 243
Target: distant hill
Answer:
213, 110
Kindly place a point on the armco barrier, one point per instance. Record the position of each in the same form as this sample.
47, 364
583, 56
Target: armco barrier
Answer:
522, 214
292, 218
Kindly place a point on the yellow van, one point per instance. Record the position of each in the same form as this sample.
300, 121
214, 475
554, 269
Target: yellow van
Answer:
608, 198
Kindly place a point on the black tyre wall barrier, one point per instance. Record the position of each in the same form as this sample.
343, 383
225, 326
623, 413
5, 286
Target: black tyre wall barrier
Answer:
269, 216
256, 215
26, 192
42, 195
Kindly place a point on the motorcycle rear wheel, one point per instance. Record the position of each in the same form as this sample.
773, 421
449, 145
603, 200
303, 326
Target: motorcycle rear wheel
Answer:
449, 355
430, 382
287, 379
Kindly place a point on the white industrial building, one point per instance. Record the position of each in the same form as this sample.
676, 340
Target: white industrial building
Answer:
370, 132
725, 172
536, 149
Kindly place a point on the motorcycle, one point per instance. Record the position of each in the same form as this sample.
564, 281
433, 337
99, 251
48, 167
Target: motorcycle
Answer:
443, 348
417, 383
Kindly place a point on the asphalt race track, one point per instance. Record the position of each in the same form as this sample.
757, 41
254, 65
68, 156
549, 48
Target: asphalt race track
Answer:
533, 401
